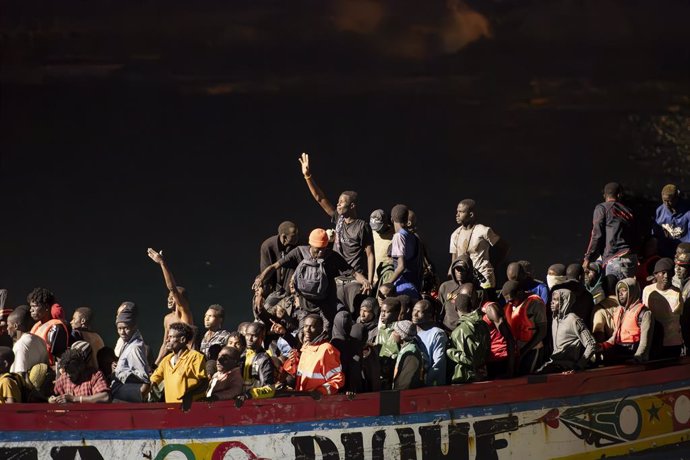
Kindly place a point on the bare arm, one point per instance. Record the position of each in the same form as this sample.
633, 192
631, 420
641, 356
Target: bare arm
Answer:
182, 310
371, 262
259, 280
315, 190
398, 271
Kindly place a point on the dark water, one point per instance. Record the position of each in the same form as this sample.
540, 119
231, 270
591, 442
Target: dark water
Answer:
94, 172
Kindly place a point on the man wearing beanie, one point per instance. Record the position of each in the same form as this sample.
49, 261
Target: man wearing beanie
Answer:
353, 237
409, 365
672, 221
664, 300
316, 267
613, 235
132, 368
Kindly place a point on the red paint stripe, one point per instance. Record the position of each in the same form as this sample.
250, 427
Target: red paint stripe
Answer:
304, 409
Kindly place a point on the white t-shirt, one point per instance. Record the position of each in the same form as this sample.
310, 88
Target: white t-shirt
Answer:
29, 350
666, 306
476, 242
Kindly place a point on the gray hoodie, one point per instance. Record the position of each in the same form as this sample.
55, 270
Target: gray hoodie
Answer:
573, 343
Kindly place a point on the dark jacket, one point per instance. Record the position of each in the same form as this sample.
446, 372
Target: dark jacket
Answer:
613, 231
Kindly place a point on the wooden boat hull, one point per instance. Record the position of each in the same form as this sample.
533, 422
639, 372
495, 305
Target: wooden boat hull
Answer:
602, 412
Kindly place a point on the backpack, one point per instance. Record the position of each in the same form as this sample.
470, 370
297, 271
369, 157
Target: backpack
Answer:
310, 276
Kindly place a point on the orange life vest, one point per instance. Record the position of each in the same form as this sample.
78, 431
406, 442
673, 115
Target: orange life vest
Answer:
520, 325
42, 329
629, 331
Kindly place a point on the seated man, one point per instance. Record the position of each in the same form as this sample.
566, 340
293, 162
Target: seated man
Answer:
10, 390
369, 318
666, 304
132, 367
53, 331
81, 330
634, 326
183, 371
78, 382
319, 368
461, 272
526, 316
434, 343
257, 366
470, 340
226, 382
386, 346
573, 344
503, 356
606, 312
28, 349
409, 364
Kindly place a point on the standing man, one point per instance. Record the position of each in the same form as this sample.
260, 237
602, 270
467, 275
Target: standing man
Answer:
81, 330
475, 240
257, 367
526, 316
319, 367
613, 235
672, 221
132, 368
183, 370
383, 236
406, 254
178, 303
273, 249
215, 334
353, 238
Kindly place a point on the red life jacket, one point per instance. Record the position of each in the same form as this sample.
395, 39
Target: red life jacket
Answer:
520, 325
499, 346
42, 329
629, 331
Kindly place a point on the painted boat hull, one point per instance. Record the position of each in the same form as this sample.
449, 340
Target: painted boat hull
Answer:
602, 412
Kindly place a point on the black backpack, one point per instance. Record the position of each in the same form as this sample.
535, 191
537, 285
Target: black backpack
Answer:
311, 279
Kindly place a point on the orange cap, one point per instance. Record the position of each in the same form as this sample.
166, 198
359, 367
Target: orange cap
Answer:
318, 238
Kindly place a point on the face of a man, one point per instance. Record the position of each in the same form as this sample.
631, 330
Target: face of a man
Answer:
235, 343
125, 331
176, 341
682, 271
344, 205
670, 201
387, 314
312, 328
289, 238
365, 314
226, 361
663, 279
317, 253
623, 295
77, 320
461, 273
12, 328
420, 313
463, 215
171, 301
37, 311
590, 276
212, 320
253, 338
555, 302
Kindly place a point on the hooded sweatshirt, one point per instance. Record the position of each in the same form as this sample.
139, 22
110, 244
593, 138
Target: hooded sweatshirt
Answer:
450, 290
644, 320
573, 343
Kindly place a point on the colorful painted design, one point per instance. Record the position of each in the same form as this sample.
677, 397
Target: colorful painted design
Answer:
584, 426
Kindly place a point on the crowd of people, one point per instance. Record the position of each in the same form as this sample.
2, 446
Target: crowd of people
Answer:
361, 308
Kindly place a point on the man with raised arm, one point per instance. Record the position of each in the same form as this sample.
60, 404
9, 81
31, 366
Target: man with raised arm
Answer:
353, 236
178, 303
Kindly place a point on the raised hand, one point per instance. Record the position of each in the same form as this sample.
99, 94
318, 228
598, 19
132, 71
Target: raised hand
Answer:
304, 161
155, 256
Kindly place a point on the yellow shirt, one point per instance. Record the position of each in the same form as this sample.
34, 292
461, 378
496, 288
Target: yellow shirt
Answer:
188, 371
9, 389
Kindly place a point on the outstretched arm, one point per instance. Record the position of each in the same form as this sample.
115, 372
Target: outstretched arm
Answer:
315, 190
182, 309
